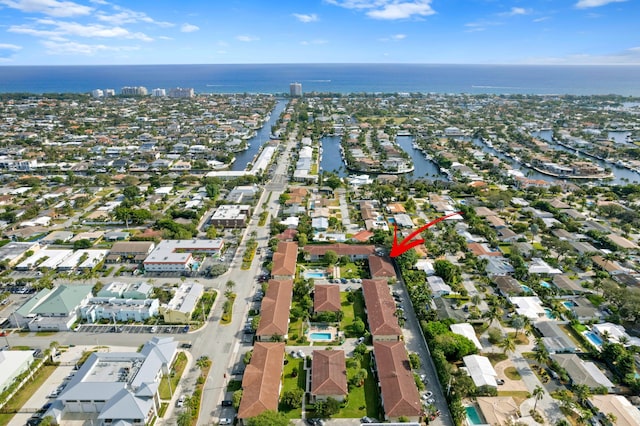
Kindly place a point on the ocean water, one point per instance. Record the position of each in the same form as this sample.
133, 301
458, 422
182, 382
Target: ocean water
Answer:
335, 78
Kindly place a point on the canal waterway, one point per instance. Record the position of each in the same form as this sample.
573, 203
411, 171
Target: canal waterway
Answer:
262, 136
424, 169
528, 172
621, 175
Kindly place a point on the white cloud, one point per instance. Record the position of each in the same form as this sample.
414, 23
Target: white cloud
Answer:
189, 28
74, 48
7, 46
585, 4
165, 38
542, 19
313, 42
247, 38
306, 18
394, 37
60, 29
128, 16
515, 11
388, 9
58, 9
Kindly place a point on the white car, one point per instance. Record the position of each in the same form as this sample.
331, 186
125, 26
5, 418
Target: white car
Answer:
301, 354
180, 402
225, 421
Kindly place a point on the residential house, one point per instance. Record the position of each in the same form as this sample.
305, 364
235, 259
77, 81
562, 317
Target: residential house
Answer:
328, 375
353, 251
380, 308
326, 298
398, 391
381, 267
554, 339
261, 381
582, 372
624, 412
480, 370
274, 315
284, 261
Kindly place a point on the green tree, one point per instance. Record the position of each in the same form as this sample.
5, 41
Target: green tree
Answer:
414, 360
330, 257
184, 418
293, 398
358, 326
508, 344
359, 378
518, 322
538, 394
203, 362
269, 418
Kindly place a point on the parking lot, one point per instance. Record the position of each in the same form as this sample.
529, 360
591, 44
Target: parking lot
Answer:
151, 329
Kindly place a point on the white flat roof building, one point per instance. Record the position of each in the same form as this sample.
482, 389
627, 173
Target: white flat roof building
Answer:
45, 258
176, 255
12, 364
480, 370
530, 307
91, 259
466, 330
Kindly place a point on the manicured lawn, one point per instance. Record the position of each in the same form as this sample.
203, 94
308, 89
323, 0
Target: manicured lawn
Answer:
351, 270
178, 366
495, 357
521, 339
512, 373
27, 391
351, 312
596, 299
505, 249
364, 400
295, 331
290, 382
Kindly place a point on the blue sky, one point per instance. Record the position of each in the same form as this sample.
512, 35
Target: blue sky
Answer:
75, 32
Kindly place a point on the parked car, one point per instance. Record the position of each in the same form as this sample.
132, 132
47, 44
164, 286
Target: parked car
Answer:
301, 354
226, 403
181, 400
225, 421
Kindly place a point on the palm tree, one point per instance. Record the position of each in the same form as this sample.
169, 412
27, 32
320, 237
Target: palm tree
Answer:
540, 354
494, 313
538, 394
623, 340
582, 392
605, 335
508, 344
518, 323
476, 299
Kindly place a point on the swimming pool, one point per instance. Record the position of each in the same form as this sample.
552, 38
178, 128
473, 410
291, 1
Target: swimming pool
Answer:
526, 288
569, 304
545, 284
593, 337
314, 274
320, 336
549, 313
473, 417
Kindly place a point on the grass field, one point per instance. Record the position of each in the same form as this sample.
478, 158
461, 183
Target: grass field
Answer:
290, 382
27, 391
351, 312
178, 366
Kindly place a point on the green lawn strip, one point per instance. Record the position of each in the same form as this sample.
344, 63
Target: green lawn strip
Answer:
290, 383
227, 309
295, 331
178, 366
495, 357
26, 392
351, 313
350, 270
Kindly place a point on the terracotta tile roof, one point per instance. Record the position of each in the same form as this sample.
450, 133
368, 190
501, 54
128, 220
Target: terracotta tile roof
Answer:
274, 315
397, 385
284, 259
261, 380
328, 373
380, 308
287, 234
340, 249
482, 250
381, 267
326, 298
362, 236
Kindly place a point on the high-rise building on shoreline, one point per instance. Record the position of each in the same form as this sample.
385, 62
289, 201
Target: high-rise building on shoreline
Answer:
134, 91
295, 90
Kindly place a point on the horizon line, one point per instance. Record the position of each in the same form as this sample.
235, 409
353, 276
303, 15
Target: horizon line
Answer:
329, 63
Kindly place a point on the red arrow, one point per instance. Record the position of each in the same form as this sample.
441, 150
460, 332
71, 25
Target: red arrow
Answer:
406, 244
